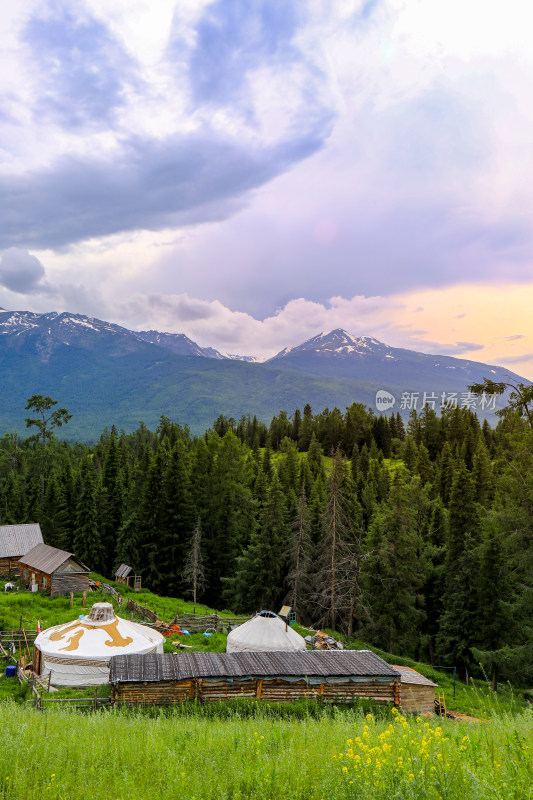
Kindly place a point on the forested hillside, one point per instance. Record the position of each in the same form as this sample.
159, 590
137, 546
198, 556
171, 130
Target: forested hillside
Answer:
417, 537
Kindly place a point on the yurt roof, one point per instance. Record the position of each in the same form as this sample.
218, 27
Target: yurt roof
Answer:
265, 632
98, 636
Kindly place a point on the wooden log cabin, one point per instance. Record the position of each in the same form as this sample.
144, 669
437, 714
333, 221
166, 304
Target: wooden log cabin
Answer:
16, 541
417, 692
54, 571
275, 676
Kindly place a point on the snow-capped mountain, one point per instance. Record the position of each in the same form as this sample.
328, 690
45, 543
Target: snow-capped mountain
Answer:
339, 354
338, 342
106, 374
178, 343
45, 332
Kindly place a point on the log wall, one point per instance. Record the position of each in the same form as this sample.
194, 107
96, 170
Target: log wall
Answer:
417, 698
277, 690
58, 583
9, 565
69, 582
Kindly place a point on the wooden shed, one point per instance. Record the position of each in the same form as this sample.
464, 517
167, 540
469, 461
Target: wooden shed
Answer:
417, 693
16, 541
176, 678
126, 575
53, 570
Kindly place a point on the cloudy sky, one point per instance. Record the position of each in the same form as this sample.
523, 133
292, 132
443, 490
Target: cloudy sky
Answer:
251, 172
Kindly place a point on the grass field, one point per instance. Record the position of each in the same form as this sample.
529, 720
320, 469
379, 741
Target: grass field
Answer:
28, 608
246, 749
118, 755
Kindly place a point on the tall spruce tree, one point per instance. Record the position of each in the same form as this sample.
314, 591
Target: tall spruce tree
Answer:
178, 517
87, 541
458, 629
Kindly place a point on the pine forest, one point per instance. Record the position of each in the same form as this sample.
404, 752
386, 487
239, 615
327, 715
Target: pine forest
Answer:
415, 536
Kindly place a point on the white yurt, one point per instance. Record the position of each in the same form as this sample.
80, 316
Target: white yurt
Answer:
266, 632
77, 653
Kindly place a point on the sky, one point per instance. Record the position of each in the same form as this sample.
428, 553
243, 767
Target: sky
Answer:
253, 172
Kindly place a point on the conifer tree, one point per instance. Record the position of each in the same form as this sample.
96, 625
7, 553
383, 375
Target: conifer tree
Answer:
445, 473
87, 541
151, 522
482, 474
496, 622
306, 429
423, 465
300, 556
178, 516
129, 542
394, 576
233, 512
112, 505
260, 571
314, 459
409, 453
54, 518
433, 591
458, 629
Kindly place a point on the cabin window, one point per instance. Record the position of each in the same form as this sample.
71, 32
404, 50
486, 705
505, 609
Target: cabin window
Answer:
25, 574
44, 582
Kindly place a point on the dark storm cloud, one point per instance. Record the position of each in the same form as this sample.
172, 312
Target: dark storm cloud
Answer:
146, 185
83, 69
21, 272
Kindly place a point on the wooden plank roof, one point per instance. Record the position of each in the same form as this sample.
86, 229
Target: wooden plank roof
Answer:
49, 559
181, 666
17, 540
412, 676
123, 571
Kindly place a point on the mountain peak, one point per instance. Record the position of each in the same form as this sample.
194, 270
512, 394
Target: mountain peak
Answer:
337, 341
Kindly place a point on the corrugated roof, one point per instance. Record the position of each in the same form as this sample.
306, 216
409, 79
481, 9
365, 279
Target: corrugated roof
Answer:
171, 667
412, 676
123, 571
48, 559
17, 540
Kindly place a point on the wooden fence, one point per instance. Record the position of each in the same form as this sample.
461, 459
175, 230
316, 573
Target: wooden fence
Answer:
191, 622
92, 703
113, 592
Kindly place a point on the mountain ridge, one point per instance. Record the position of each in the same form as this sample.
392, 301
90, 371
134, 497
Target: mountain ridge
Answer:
107, 374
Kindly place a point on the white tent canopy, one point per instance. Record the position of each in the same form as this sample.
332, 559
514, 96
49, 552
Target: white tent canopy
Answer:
77, 653
266, 632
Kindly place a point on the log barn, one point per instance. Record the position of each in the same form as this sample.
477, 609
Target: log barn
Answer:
16, 541
54, 571
417, 693
327, 676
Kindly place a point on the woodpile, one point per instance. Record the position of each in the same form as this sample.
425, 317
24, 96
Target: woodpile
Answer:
322, 641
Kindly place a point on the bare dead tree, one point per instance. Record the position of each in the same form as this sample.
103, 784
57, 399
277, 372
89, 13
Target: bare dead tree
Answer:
333, 547
193, 569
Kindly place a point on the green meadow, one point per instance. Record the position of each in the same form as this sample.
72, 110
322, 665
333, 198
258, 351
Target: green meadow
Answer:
246, 749
122, 754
